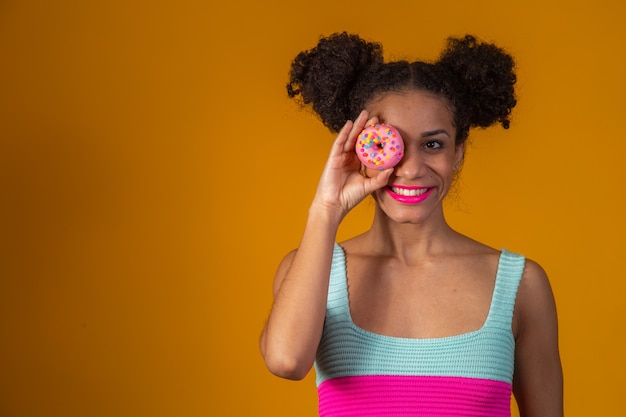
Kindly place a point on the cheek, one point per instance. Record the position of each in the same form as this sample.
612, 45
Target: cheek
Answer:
442, 165
449, 163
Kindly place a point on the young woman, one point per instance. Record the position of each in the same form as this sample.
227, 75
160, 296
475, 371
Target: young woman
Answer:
410, 318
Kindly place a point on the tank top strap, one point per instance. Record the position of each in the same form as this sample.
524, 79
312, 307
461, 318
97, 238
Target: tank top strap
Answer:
337, 304
508, 278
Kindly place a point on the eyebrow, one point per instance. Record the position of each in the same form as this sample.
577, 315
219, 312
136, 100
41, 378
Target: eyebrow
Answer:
434, 133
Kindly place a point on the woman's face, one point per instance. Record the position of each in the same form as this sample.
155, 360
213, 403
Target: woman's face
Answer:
423, 177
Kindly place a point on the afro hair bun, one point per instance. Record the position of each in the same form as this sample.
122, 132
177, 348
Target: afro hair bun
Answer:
325, 75
484, 80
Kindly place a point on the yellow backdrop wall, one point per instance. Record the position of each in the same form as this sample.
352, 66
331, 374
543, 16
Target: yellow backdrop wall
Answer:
137, 259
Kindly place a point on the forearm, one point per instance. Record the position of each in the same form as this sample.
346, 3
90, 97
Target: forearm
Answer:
294, 328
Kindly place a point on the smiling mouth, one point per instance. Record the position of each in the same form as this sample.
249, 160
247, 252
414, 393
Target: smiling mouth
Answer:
409, 195
409, 192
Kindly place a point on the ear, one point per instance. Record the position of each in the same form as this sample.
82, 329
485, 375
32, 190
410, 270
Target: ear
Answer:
459, 154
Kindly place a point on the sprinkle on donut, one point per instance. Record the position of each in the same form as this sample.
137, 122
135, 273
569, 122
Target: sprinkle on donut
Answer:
379, 146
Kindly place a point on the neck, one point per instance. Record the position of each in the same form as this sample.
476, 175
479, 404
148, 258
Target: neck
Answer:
412, 241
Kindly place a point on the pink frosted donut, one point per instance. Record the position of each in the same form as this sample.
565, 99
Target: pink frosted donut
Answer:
379, 146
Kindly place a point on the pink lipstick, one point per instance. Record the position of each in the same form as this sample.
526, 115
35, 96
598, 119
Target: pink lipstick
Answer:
409, 195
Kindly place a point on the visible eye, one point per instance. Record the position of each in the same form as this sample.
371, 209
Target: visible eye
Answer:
433, 144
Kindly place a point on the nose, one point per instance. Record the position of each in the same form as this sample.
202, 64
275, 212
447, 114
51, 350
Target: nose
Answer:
412, 165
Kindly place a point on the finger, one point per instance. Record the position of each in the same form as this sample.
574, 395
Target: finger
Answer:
360, 121
342, 137
374, 120
380, 180
357, 127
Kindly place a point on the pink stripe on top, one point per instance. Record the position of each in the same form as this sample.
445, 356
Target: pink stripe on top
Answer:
414, 396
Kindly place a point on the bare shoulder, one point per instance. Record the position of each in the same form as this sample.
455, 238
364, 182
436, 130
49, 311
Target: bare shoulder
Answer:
535, 282
534, 271
535, 300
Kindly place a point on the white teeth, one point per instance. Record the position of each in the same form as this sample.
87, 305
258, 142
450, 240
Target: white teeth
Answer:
409, 192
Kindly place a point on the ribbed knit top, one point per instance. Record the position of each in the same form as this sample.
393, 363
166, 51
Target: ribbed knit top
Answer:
361, 373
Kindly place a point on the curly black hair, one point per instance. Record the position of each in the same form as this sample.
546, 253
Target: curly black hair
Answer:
343, 73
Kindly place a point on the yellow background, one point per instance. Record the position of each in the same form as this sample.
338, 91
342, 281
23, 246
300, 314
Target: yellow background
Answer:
153, 173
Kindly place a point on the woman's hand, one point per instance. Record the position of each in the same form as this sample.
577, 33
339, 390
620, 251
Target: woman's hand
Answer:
342, 186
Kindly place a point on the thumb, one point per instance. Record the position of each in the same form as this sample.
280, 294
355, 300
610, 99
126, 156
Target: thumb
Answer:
380, 180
